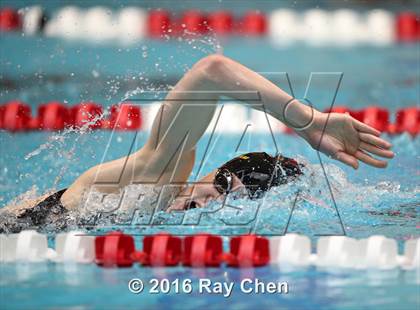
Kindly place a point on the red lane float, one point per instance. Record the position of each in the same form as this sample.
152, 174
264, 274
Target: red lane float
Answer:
220, 22
53, 116
203, 250
159, 23
375, 117
124, 117
248, 251
114, 250
160, 250
253, 23
9, 20
2, 109
16, 116
194, 22
407, 120
86, 114
407, 27
418, 27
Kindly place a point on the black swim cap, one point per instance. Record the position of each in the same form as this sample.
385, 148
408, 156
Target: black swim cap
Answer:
258, 171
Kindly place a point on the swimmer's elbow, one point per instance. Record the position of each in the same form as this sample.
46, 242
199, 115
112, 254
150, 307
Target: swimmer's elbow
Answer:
212, 66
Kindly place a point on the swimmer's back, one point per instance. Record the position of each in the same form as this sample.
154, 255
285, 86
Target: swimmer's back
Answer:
33, 213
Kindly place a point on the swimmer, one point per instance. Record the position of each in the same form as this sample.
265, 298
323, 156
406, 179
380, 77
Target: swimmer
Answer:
169, 153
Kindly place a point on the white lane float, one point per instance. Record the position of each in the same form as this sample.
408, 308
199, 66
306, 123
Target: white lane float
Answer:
317, 27
26, 246
131, 24
381, 27
74, 247
290, 249
262, 122
7, 249
32, 19
67, 23
99, 24
378, 252
229, 118
347, 28
411, 258
337, 251
284, 27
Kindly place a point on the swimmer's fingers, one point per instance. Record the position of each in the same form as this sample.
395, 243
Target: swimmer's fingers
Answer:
365, 128
347, 159
376, 150
367, 159
375, 141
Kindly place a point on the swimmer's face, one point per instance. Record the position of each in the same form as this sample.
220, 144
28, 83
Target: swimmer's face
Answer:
201, 193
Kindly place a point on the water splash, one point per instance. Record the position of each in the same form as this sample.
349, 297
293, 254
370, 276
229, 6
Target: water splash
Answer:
363, 209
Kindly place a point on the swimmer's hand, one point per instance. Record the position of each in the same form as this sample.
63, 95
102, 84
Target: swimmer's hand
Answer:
346, 139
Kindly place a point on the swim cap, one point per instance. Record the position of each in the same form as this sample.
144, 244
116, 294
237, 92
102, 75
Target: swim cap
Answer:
258, 171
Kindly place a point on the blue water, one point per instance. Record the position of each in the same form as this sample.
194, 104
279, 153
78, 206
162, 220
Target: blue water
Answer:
51, 286
369, 201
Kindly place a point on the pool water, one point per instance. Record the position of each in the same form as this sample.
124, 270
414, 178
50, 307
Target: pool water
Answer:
89, 287
369, 201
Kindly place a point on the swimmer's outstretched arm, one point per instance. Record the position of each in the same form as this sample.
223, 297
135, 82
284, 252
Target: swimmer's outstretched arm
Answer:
168, 155
345, 138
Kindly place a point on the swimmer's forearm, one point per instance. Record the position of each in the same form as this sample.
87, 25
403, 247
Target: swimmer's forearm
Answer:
231, 79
